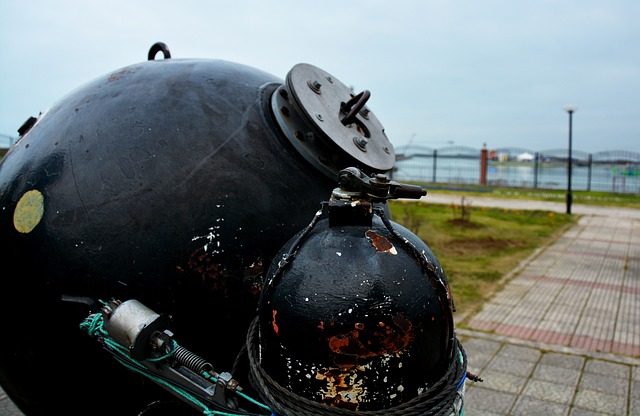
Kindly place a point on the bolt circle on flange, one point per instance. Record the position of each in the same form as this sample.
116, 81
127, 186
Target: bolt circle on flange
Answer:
330, 112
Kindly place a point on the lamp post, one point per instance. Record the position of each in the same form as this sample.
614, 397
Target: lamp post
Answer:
569, 109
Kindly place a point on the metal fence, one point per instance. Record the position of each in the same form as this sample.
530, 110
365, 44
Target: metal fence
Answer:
608, 171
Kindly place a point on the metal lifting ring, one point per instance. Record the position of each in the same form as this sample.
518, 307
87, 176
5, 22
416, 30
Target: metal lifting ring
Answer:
353, 107
158, 47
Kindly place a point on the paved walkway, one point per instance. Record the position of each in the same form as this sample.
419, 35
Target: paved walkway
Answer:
563, 336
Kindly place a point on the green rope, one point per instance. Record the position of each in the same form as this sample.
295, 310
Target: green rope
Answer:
133, 366
208, 376
94, 325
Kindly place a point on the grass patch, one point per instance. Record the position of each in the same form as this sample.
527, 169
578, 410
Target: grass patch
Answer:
477, 252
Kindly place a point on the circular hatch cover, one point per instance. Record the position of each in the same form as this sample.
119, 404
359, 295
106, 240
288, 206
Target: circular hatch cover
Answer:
330, 125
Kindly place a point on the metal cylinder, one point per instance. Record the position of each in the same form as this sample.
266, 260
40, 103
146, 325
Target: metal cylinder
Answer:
131, 324
358, 317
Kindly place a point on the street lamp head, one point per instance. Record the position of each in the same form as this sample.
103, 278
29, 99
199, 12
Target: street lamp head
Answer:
570, 108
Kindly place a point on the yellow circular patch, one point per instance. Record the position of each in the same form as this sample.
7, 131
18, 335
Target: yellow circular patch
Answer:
29, 211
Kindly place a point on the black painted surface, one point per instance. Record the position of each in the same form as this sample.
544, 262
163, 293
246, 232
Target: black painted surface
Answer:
165, 181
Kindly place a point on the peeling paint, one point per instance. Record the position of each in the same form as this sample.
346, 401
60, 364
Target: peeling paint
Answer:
381, 243
210, 237
343, 389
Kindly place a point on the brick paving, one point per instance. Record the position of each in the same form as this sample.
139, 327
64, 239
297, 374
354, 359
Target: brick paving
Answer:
583, 291
563, 336
527, 378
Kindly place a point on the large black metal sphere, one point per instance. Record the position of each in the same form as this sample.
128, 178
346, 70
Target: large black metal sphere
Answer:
168, 181
358, 318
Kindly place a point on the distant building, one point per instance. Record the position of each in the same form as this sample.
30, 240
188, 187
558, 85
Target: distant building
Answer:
525, 157
498, 156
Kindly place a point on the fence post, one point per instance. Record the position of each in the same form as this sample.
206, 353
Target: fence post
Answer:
435, 162
535, 170
589, 161
483, 166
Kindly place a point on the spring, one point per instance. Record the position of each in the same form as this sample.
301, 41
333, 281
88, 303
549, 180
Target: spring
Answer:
190, 360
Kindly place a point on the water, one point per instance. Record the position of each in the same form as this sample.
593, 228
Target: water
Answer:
597, 177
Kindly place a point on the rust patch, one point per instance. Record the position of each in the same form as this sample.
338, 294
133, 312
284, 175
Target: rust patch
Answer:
452, 305
121, 73
381, 243
216, 279
273, 322
213, 275
403, 323
117, 75
382, 340
349, 344
395, 338
345, 362
400, 338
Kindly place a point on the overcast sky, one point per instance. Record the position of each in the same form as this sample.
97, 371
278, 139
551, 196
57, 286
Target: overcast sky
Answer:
466, 72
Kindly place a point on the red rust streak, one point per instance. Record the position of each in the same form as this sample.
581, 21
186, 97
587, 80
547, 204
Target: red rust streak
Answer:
349, 344
379, 242
275, 326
